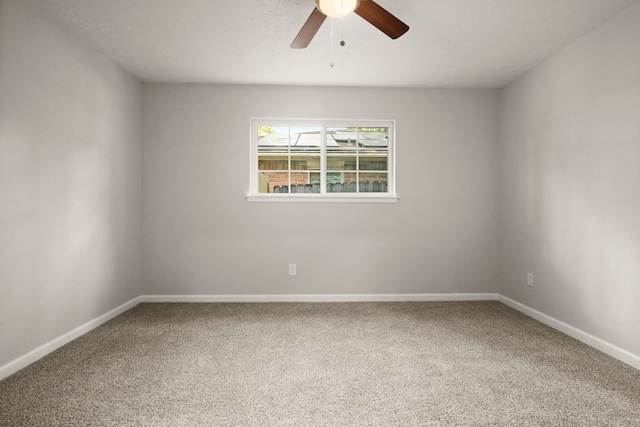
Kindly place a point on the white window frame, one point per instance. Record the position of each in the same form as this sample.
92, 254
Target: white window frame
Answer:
388, 197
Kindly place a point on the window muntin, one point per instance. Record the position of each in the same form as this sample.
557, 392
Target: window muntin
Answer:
322, 158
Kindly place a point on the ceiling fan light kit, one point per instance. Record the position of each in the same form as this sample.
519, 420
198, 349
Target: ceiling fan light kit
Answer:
368, 10
337, 8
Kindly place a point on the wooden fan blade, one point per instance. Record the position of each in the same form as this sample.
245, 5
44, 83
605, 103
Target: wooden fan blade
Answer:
309, 29
377, 16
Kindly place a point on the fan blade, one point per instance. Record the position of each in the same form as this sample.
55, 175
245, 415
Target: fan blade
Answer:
309, 29
377, 16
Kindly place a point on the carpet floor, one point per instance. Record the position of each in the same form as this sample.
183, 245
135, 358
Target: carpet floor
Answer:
323, 364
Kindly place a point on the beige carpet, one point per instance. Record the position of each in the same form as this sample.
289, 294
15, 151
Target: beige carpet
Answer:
323, 364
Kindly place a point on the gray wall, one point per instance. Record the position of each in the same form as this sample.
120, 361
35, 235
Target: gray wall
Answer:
570, 184
202, 237
70, 131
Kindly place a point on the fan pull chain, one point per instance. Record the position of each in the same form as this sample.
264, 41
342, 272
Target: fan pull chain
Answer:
342, 32
342, 43
342, 26
331, 64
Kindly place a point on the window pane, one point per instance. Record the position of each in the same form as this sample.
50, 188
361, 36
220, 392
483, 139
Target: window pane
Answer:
373, 183
286, 154
341, 153
334, 177
273, 148
369, 138
314, 180
349, 182
334, 182
288, 182
305, 137
374, 146
305, 161
273, 155
341, 163
305, 157
270, 162
373, 161
341, 139
273, 182
298, 181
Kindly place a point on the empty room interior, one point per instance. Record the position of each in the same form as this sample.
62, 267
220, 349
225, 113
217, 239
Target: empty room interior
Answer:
209, 216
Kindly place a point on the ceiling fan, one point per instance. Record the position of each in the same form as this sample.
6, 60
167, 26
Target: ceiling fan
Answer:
367, 9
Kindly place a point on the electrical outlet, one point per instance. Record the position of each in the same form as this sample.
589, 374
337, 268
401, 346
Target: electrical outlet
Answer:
292, 269
530, 279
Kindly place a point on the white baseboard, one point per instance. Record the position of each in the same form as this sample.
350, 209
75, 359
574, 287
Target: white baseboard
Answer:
38, 353
591, 340
321, 298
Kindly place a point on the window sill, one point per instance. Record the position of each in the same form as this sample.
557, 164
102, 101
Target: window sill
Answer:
322, 198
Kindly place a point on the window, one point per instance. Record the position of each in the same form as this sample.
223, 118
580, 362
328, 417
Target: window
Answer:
322, 160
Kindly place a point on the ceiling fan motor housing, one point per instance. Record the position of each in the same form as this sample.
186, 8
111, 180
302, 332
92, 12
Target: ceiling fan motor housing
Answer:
337, 8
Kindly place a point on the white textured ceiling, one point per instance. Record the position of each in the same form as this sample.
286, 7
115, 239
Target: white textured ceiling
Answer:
451, 43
